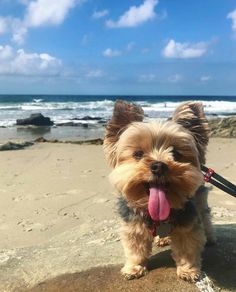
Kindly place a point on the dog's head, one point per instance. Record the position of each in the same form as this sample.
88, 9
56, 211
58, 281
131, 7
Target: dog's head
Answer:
156, 164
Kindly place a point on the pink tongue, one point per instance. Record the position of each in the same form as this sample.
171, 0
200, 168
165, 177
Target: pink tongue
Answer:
158, 206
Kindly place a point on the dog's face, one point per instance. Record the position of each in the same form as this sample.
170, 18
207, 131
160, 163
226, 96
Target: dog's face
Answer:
160, 155
156, 154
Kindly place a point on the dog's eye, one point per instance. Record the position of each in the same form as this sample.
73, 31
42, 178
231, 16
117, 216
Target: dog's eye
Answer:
176, 155
138, 154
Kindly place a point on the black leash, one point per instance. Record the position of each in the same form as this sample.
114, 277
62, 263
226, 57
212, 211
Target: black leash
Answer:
217, 180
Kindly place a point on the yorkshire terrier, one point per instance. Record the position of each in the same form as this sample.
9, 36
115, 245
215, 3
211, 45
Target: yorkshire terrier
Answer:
156, 169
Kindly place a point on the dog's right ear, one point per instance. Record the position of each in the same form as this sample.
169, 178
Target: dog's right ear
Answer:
124, 113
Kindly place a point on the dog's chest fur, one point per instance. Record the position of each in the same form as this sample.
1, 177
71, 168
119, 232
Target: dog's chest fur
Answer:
177, 218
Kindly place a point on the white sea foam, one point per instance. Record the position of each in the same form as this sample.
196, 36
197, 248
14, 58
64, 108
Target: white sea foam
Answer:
63, 112
220, 108
7, 123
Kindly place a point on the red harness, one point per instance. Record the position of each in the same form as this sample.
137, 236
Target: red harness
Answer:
208, 174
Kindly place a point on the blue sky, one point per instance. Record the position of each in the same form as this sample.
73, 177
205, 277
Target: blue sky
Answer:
118, 47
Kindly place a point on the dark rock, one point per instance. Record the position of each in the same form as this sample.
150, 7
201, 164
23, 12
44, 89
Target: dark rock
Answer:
36, 120
97, 141
43, 140
88, 118
102, 122
15, 146
40, 140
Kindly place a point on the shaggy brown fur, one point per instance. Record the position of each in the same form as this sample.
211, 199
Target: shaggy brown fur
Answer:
131, 146
191, 116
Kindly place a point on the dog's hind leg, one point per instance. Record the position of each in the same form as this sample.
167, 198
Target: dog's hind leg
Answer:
137, 242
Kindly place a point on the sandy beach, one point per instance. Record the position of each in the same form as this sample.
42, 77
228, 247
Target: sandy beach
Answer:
153, 81
57, 217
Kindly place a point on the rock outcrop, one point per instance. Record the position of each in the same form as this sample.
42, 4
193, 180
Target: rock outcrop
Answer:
35, 120
223, 127
15, 146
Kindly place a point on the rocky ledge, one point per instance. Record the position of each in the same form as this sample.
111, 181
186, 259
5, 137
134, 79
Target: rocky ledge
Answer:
35, 120
223, 127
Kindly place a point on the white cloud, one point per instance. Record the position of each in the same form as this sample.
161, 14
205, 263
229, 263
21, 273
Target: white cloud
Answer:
136, 15
116, 53
147, 78
37, 13
15, 26
19, 62
100, 14
111, 53
6, 52
232, 16
175, 78
47, 12
184, 50
19, 31
205, 78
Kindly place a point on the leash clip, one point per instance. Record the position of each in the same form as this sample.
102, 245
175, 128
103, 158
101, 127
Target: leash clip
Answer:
208, 174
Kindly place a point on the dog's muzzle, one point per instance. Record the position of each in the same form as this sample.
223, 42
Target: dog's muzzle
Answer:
159, 168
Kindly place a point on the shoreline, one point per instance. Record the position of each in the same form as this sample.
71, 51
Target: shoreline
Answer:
30, 133
220, 127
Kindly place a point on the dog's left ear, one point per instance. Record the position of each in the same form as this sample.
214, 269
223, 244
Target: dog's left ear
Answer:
124, 113
192, 117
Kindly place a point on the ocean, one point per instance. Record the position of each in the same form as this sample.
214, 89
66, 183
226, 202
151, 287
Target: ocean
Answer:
88, 112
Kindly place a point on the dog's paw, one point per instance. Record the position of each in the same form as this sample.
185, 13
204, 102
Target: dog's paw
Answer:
133, 272
162, 241
190, 275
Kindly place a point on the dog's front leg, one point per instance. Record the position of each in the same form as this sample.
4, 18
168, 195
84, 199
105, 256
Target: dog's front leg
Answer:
137, 242
187, 244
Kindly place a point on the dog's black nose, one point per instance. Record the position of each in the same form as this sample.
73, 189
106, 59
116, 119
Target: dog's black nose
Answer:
159, 168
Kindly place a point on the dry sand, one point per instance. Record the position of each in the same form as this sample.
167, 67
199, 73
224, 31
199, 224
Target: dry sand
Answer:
57, 218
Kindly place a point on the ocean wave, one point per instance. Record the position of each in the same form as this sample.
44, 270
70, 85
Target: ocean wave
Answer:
79, 122
62, 112
93, 105
10, 108
107, 105
37, 99
7, 123
210, 107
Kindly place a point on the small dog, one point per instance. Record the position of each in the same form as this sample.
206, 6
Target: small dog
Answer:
156, 169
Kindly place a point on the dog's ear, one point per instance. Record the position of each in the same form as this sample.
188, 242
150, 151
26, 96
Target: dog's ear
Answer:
124, 113
192, 117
